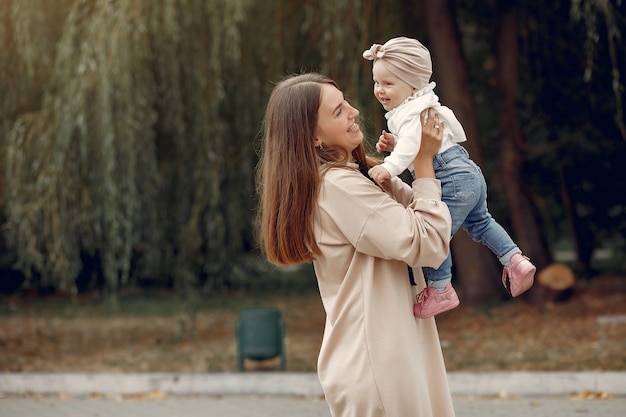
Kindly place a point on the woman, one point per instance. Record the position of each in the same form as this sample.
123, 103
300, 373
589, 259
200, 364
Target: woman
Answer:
318, 205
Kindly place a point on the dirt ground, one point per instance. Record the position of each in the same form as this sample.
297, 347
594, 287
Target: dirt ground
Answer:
587, 332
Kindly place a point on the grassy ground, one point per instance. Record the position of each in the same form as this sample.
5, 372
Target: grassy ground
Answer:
154, 333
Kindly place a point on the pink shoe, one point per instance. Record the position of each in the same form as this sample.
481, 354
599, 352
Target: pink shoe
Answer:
430, 302
519, 275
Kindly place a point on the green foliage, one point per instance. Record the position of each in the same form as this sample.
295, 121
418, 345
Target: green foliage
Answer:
594, 14
125, 158
576, 144
128, 128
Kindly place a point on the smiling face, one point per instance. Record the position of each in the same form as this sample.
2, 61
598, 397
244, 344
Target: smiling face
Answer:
390, 90
336, 123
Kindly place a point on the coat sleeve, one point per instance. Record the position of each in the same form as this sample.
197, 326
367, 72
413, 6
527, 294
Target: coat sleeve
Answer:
380, 226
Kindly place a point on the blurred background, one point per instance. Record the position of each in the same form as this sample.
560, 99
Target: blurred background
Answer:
129, 133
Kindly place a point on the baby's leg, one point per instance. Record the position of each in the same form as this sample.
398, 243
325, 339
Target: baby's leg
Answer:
518, 273
482, 227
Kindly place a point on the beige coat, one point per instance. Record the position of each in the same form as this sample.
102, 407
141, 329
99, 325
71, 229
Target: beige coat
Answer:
376, 358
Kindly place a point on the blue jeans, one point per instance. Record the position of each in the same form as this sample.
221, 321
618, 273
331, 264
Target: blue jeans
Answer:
464, 190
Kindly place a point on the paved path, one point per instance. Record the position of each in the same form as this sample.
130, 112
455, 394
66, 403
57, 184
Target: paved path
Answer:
272, 394
275, 406
304, 384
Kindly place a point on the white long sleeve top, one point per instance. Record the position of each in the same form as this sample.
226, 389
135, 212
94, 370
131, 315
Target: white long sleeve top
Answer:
405, 124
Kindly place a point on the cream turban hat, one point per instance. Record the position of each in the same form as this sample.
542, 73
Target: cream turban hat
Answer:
405, 58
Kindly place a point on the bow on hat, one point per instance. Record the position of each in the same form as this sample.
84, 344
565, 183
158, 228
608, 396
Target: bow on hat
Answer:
377, 51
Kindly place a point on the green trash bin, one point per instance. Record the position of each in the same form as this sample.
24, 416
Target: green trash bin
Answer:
261, 336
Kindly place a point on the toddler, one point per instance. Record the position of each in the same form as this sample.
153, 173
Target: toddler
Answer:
401, 71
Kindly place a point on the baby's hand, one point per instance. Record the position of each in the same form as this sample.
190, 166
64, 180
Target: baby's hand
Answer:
386, 142
379, 174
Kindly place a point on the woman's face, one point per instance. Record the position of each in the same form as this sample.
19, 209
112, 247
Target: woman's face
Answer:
390, 90
336, 126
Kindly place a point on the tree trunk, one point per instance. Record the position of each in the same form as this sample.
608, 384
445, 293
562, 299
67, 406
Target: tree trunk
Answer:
476, 268
523, 213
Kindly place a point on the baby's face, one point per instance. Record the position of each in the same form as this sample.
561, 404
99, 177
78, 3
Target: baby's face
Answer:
390, 90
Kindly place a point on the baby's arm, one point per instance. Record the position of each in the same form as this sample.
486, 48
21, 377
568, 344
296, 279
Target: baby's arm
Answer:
406, 147
386, 142
379, 174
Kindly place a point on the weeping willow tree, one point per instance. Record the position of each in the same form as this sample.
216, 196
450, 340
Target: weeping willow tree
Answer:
135, 148
124, 160
28, 35
129, 127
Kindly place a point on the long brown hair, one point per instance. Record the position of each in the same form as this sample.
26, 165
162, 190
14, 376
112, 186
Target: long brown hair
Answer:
288, 173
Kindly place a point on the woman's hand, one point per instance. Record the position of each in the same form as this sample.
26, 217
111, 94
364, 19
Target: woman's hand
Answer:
432, 133
432, 136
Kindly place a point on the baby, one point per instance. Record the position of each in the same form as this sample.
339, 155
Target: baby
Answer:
401, 70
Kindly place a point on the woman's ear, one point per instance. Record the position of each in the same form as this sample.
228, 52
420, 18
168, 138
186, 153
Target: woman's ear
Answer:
317, 142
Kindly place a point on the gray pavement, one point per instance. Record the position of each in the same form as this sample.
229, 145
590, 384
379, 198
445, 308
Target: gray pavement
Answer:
305, 384
292, 406
516, 394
